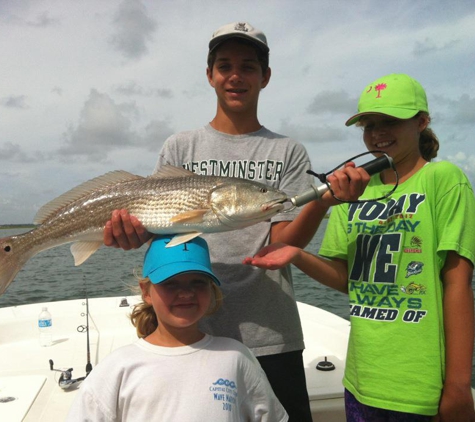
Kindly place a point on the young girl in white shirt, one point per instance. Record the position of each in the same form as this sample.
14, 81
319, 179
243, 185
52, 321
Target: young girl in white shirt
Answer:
175, 372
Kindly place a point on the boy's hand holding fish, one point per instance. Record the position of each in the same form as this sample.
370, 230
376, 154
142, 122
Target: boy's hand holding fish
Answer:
125, 231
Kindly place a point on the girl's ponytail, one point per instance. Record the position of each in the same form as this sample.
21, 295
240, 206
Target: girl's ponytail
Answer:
428, 142
143, 315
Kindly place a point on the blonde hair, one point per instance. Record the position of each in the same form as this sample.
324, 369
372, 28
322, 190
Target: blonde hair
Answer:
143, 315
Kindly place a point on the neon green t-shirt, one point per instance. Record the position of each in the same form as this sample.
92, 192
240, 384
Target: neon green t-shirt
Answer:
395, 249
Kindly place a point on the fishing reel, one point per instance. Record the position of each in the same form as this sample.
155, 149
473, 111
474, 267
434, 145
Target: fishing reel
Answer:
66, 380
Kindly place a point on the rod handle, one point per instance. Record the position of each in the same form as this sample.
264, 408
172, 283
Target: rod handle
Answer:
372, 167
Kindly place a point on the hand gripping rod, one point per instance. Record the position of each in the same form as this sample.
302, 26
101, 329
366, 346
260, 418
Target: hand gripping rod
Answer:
372, 167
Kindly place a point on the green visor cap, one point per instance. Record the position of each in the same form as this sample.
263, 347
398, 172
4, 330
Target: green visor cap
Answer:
395, 95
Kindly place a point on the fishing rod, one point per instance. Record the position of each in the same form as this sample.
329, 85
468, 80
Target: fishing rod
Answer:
66, 378
88, 346
372, 167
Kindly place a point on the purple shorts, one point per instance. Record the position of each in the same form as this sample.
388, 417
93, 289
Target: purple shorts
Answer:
357, 412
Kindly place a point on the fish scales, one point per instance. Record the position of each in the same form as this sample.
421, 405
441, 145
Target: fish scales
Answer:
152, 201
160, 201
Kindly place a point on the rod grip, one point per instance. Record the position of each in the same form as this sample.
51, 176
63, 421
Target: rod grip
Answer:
378, 164
372, 167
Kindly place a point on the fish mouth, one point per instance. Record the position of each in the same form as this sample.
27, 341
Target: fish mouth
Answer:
267, 209
276, 205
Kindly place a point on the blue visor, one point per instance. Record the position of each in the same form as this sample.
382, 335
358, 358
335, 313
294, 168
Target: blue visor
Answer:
161, 263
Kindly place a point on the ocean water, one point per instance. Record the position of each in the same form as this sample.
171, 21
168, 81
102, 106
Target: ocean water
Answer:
51, 276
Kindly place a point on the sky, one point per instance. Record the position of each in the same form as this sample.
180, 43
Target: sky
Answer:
87, 86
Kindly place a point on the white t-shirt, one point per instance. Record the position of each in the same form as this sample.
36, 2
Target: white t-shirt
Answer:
215, 379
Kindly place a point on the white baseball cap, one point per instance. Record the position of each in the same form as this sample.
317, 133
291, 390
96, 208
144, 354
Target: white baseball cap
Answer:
239, 30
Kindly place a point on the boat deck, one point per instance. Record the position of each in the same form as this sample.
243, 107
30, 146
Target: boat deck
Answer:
29, 390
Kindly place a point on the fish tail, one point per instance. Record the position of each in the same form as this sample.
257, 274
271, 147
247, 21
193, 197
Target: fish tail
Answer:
13, 255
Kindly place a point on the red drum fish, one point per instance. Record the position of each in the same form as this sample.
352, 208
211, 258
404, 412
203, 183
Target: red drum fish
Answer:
172, 201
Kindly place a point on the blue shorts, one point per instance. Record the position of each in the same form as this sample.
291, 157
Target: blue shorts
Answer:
357, 412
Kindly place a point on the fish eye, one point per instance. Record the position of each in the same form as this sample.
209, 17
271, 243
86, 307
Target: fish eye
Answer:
263, 190
7, 248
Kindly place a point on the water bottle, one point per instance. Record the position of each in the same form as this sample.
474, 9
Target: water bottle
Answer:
45, 326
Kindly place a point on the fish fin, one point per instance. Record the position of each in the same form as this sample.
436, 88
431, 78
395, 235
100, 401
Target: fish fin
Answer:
182, 238
108, 179
168, 171
83, 250
195, 216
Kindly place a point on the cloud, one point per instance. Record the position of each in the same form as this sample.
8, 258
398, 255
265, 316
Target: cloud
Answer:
155, 134
107, 99
43, 20
57, 90
332, 102
15, 101
14, 153
428, 46
462, 111
309, 134
13, 14
133, 28
131, 88
103, 126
